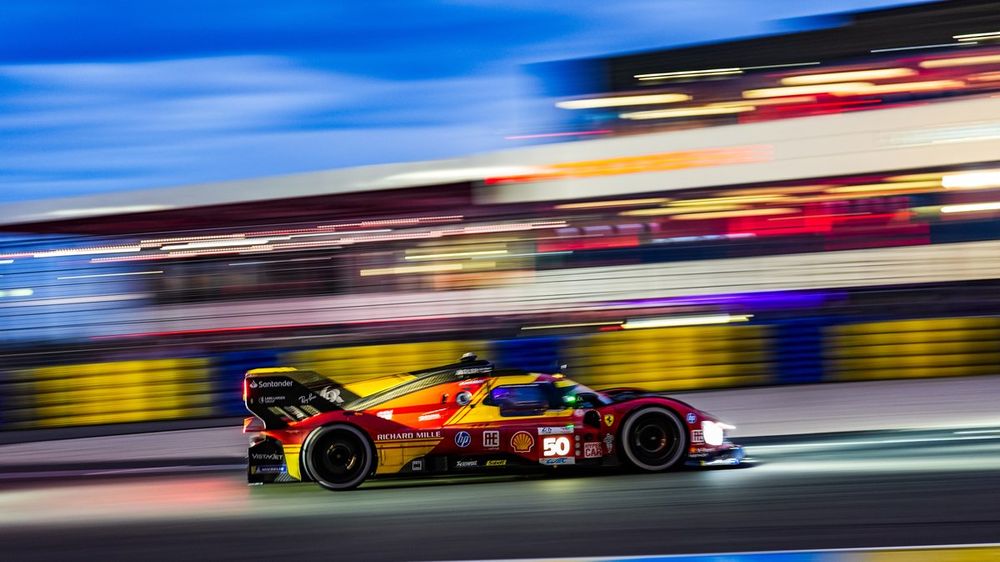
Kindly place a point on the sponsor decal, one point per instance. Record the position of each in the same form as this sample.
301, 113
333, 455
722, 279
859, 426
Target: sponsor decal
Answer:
467, 464
417, 465
472, 382
462, 439
408, 435
561, 430
560, 460
491, 439
691, 418
268, 399
609, 442
463, 398
331, 394
496, 462
522, 442
268, 469
697, 436
280, 383
267, 457
556, 446
472, 371
609, 420
307, 399
385, 414
592, 450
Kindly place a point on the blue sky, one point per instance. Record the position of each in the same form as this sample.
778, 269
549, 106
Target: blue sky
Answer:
105, 95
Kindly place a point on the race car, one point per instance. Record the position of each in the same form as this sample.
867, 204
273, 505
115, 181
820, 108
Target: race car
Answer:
465, 417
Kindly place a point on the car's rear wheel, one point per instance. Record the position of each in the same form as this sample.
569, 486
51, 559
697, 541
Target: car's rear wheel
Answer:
653, 439
338, 457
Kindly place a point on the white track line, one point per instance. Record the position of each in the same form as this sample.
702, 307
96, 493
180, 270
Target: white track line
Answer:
729, 555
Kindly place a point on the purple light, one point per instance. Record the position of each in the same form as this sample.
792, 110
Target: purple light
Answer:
762, 300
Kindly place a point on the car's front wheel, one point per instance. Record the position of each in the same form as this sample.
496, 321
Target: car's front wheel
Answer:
653, 439
338, 457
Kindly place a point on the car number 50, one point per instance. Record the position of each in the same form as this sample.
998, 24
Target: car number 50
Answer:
556, 446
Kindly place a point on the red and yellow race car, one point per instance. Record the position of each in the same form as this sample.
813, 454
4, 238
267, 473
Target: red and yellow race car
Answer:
466, 417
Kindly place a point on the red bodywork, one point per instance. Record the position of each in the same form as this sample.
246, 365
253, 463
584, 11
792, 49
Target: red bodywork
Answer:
455, 425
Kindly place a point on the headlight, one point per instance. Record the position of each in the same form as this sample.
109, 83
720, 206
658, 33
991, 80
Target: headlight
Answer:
714, 432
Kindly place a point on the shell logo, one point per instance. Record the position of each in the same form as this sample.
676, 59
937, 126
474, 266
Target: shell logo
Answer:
522, 442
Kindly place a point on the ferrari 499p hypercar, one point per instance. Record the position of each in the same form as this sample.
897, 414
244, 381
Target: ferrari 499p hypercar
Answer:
467, 417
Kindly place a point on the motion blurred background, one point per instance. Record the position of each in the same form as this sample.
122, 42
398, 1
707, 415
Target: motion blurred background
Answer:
816, 203
785, 212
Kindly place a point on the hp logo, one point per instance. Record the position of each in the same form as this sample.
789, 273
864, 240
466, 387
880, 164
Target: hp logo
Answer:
462, 439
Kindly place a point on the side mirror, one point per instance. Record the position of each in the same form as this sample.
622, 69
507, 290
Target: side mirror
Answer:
587, 400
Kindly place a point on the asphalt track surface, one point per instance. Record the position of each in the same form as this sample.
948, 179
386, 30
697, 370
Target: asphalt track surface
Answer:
873, 489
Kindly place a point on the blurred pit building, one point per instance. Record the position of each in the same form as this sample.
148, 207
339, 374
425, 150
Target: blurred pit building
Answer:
811, 207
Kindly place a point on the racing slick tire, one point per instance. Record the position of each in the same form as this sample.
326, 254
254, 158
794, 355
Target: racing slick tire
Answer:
653, 439
338, 457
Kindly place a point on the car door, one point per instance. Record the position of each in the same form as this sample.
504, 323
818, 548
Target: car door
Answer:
524, 420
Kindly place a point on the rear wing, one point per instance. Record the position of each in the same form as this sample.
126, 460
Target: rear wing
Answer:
283, 395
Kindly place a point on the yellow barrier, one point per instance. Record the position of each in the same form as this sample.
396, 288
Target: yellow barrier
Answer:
673, 358
120, 391
662, 359
353, 364
946, 554
931, 347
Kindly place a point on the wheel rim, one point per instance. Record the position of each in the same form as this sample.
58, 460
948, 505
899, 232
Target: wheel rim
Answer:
339, 458
651, 439
654, 440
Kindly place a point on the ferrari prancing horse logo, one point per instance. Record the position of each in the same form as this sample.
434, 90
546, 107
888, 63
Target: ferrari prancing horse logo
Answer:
609, 420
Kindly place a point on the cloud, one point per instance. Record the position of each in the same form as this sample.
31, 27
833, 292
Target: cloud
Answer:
127, 125
636, 25
126, 95
380, 38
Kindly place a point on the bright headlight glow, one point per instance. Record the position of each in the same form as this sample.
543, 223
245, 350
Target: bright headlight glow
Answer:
714, 432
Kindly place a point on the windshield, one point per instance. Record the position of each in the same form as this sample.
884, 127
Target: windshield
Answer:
569, 392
